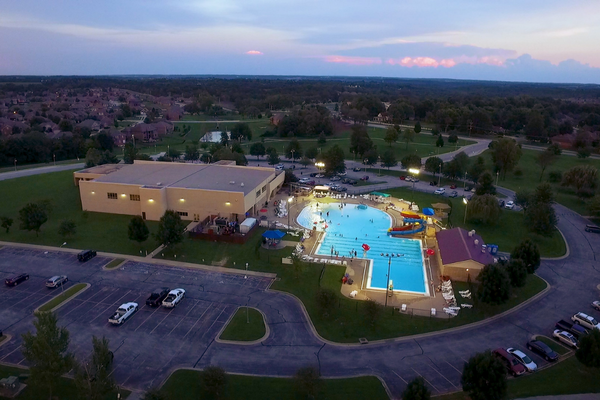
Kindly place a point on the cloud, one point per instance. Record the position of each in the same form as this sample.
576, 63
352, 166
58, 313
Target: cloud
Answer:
353, 60
561, 33
254, 53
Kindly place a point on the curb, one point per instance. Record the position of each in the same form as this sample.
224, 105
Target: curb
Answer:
7, 338
63, 302
240, 342
116, 267
567, 252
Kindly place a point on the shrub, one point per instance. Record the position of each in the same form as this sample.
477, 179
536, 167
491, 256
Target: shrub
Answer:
555, 176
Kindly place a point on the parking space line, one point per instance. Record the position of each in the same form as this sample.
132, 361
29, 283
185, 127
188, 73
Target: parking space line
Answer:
436, 389
453, 367
199, 318
184, 317
443, 376
8, 354
395, 373
162, 320
147, 318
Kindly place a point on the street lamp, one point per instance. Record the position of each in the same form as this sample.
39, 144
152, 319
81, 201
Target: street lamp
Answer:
379, 160
293, 151
62, 285
466, 207
387, 287
289, 209
414, 171
497, 175
15, 164
440, 177
365, 161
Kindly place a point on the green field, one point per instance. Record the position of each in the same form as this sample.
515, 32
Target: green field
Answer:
66, 389
99, 231
63, 296
508, 233
187, 385
246, 325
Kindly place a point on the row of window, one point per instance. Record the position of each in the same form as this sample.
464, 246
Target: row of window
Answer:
132, 197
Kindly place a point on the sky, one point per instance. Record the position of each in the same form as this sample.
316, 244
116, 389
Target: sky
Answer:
508, 40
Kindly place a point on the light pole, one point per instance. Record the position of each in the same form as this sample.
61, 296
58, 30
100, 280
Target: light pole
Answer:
497, 175
293, 151
62, 285
379, 160
466, 207
289, 210
414, 171
365, 161
54, 159
15, 164
387, 286
440, 178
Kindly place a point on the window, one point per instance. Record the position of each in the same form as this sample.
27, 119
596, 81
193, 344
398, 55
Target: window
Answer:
257, 193
134, 197
182, 213
264, 188
112, 196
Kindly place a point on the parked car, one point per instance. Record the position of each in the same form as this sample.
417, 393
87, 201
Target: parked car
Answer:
365, 178
415, 179
542, 349
468, 188
509, 205
565, 337
453, 186
402, 177
352, 182
503, 260
56, 281
408, 179
587, 321
501, 203
596, 305
356, 169
15, 280
440, 191
123, 313
341, 173
592, 228
313, 174
335, 178
574, 329
86, 255
319, 176
157, 296
432, 183
453, 194
173, 298
523, 359
279, 167
514, 367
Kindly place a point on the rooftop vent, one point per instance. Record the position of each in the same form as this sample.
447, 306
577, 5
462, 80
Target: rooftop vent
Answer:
159, 184
242, 184
232, 182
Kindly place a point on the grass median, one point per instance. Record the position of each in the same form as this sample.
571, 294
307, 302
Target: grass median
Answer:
246, 325
61, 298
187, 385
114, 263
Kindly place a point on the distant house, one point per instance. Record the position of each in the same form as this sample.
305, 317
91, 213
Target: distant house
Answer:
461, 253
59, 134
163, 128
175, 113
277, 118
90, 124
145, 132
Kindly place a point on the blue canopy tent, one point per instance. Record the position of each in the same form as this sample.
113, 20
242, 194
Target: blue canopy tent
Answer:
272, 239
277, 234
428, 211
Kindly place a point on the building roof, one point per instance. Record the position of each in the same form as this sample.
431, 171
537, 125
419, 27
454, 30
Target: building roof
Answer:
456, 245
229, 178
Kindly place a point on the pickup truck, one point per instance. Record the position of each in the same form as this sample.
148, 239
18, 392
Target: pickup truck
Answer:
576, 330
123, 313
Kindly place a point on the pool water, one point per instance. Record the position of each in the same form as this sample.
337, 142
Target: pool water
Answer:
350, 227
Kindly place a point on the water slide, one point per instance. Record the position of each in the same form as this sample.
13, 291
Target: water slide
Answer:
415, 223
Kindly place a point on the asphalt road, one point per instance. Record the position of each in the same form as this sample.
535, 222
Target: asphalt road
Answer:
40, 170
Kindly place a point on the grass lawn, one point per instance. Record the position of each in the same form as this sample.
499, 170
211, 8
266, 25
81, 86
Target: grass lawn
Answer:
114, 263
64, 296
98, 231
65, 390
187, 385
245, 327
566, 377
553, 344
508, 233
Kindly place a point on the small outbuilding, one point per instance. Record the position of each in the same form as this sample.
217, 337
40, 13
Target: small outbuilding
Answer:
461, 253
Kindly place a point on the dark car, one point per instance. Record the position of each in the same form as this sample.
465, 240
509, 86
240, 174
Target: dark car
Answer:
575, 329
15, 280
86, 255
452, 186
514, 367
433, 183
402, 177
365, 178
157, 297
503, 260
468, 188
313, 174
592, 228
356, 169
542, 349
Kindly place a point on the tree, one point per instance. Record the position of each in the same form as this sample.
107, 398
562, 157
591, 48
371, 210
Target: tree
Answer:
506, 154
433, 165
215, 380
371, 157
154, 394
46, 351
224, 138
418, 127
325, 299
272, 156
484, 377
523, 198
529, 253
543, 194
485, 184
129, 153
541, 218
476, 169
67, 228
93, 379
535, 128
257, 149
191, 152
308, 381
584, 178
391, 136
389, 159
360, 142
593, 208
334, 160
453, 138
408, 135
311, 152
241, 131
416, 390
6, 223
322, 139
555, 149
293, 150
440, 141
411, 161
305, 161
588, 352
484, 210
372, 311
584, 152
137, 230
170, 229
32, 217
545, 159
494, 285
517, 272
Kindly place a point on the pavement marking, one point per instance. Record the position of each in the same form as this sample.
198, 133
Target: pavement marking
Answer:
162, 320
185, 316
443, 376
395, 373
453, 367
436, 389
147, 318
198, 320
8, 354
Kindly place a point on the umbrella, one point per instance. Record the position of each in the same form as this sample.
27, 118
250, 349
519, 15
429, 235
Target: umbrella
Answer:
428, 211
366, 247
430, 252
263, 210
277, 234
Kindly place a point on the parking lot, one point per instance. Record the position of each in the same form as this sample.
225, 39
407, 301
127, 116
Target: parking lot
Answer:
151, 342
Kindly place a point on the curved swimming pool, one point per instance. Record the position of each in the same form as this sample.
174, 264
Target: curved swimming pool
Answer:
349, 227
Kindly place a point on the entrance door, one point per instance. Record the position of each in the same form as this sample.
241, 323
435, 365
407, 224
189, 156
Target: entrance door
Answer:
143, 215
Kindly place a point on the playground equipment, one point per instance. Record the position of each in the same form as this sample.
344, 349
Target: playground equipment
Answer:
415, 223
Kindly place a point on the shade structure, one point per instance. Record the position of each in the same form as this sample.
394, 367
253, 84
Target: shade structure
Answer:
428, 211
366, 247
380, 194
277, 234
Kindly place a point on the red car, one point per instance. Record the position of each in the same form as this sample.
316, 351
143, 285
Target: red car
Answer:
514, 367
452, 186
402, 177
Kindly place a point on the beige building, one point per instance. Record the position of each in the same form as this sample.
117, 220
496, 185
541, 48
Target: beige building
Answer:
461, 253
195, 191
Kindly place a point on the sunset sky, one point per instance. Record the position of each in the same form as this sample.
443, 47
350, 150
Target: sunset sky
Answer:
524, 40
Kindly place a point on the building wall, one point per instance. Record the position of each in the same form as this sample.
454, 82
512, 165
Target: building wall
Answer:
462, 270
94, 198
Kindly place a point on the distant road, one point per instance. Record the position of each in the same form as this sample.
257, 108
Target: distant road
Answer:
41, 170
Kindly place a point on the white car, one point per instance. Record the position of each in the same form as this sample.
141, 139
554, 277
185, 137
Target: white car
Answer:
587, 321
565, 337
279, 167
509, 205
341, 174
173, 298
56, 281
319, 176
440, 191
596, 305
123, 313
523, 359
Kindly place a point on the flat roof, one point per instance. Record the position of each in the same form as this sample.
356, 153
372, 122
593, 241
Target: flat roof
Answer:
229, 178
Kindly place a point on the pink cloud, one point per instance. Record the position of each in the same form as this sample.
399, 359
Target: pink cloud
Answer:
353, 60
422, 62
254, 53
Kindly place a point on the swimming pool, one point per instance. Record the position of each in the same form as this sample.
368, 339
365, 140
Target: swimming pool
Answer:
349, 227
